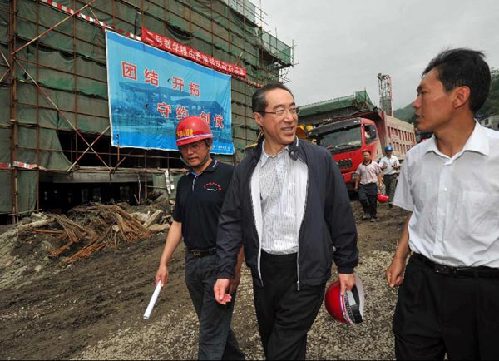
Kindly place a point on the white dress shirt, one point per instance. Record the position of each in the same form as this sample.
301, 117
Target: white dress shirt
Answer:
454, 200
391, 162
278, 188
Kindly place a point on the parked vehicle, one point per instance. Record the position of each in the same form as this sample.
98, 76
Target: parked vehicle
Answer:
347, 133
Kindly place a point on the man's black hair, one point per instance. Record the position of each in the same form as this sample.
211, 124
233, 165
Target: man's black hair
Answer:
258, 101
463, 67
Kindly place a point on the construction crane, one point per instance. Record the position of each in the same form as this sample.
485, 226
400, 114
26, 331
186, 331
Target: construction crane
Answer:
385, 93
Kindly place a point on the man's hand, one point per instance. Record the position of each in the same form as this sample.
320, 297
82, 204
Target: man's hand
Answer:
162, 274
347, 281
220, 290
395, 272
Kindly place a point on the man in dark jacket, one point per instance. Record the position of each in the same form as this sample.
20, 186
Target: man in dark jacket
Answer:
288, 206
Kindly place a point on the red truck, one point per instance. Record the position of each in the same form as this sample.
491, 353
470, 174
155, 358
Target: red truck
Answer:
349, 126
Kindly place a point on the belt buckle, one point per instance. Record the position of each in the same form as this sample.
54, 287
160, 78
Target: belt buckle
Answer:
446, 270
196, 253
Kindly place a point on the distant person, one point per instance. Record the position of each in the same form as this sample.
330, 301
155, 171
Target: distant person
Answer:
199, 199
289, 207
390, 165
448, 302
368, 177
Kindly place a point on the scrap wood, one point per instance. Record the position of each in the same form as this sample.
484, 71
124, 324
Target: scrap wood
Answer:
113, 226
35, 224
159, 227
153, 218
74, 233
85, 252
47, 231
90, 229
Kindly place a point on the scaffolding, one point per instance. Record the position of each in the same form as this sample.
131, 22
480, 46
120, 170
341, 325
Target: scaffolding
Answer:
55, 141
385, 93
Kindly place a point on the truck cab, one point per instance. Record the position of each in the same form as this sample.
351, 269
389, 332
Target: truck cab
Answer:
346, 140
347, 126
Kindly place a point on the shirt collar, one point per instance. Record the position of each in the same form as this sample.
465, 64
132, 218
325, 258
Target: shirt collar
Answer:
264, 157
210, 168
477, 142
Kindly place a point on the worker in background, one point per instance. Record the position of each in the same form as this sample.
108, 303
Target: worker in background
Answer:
199, 199
368, 177
289, 207
448, 301
390, 165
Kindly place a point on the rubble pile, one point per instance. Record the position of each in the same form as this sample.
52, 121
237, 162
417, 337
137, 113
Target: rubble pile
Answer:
88, 229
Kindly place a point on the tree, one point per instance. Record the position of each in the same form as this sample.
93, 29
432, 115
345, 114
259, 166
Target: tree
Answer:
491, 106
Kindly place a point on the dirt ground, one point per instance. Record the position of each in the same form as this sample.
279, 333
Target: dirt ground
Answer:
93, 308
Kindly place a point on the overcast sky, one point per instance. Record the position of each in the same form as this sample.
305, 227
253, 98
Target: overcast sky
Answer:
341, 45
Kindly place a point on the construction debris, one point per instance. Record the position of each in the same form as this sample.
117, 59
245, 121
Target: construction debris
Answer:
88, 229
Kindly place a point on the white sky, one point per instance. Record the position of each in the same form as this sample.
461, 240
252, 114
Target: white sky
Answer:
341, 45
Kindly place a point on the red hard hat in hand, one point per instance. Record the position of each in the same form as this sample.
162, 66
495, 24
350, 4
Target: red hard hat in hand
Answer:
382, 198
349, 308
192, 129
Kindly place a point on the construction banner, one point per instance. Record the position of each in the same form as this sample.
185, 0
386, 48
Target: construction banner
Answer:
151, 90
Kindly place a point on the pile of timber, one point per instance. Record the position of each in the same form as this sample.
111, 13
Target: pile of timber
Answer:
89, 229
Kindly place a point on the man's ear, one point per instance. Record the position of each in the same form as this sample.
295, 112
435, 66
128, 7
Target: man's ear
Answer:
258, 118
461, 96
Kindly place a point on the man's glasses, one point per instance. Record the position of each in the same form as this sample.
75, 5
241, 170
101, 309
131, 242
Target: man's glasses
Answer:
281, 111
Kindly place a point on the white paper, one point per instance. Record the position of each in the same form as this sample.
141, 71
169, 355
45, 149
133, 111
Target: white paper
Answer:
154, 297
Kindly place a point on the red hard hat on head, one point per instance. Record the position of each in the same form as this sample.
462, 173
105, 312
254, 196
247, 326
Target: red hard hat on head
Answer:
349, 308
382, 198
192, 129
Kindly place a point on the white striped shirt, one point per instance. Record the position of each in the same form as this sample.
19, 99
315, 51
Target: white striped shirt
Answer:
277, 199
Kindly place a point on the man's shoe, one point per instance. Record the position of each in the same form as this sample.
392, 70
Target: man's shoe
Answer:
365, 217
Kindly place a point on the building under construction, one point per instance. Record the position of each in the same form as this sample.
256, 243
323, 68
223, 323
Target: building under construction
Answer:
55, 140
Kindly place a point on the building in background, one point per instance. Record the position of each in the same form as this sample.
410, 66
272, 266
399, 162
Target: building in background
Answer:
55, 137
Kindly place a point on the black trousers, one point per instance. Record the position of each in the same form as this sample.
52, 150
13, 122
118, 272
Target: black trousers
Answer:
217, 340
440, 314
285, 314
368, 197
390, 181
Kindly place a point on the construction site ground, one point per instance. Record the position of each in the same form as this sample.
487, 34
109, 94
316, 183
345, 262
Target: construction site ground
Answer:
93, 308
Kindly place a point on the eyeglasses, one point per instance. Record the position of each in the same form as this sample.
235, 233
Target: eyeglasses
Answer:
281, 111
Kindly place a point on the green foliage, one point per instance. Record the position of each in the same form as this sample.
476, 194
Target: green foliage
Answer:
406, 113
491, 106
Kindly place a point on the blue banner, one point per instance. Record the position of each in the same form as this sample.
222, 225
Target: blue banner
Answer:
151, 90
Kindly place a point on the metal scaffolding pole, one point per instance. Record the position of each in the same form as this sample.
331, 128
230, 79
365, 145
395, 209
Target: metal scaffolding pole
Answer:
13, 110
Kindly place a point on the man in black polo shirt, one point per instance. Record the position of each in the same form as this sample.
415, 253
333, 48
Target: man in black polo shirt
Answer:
199, 199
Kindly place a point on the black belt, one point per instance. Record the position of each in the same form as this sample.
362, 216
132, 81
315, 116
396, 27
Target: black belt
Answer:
202, 252
464, 271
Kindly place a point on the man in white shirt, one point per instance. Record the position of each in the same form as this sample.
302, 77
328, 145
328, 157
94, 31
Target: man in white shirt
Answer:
448, 302
368, 177
390, 165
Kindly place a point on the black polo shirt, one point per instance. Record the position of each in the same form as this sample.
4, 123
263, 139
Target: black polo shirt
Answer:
198, 204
